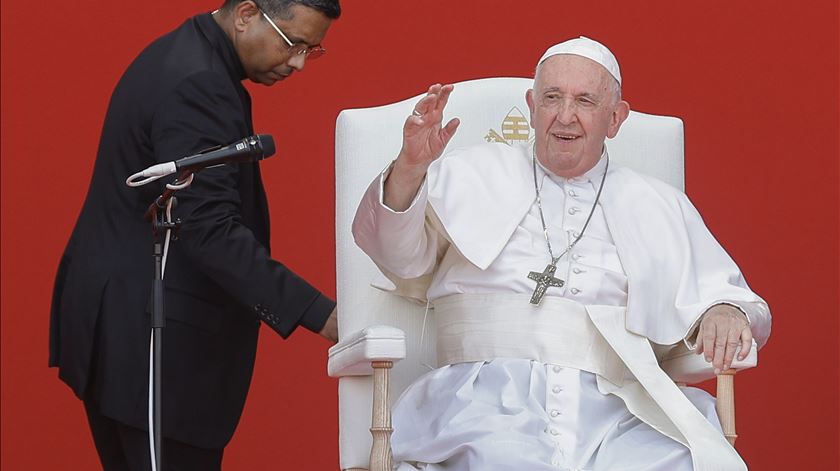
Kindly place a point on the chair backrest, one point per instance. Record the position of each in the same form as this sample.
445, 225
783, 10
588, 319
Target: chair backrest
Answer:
366, 141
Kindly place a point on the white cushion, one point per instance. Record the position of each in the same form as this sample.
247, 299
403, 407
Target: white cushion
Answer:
685, 366
353, 355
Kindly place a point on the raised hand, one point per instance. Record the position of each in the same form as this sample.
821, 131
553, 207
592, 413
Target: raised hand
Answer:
423, 137
424, 140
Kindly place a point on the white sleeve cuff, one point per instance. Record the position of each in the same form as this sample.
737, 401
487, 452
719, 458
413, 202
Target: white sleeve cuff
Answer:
419, 200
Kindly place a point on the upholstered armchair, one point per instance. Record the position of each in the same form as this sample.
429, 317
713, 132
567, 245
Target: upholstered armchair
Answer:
386, 341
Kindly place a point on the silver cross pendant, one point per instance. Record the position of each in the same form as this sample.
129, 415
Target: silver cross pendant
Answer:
544, 280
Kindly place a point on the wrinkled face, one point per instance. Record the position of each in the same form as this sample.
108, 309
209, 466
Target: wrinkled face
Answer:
574, 108
265, 56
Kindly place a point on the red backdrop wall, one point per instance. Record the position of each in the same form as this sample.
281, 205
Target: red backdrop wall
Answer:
755, 82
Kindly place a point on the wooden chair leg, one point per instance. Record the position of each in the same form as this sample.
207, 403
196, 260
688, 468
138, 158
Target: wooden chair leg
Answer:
380, 452
725, 404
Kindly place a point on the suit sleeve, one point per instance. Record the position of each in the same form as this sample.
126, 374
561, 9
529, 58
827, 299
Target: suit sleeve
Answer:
202, 112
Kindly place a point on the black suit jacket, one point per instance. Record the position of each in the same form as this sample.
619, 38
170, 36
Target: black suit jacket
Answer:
181, 95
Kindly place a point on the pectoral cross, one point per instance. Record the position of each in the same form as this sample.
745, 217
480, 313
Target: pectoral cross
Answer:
544, 280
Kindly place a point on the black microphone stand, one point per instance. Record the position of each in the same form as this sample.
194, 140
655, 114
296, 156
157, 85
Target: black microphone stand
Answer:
251, 148
156, 215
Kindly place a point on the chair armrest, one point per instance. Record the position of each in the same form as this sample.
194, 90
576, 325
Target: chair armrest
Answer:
685, 366
354, 354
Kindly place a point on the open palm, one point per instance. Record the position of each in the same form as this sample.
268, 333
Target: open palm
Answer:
423, 137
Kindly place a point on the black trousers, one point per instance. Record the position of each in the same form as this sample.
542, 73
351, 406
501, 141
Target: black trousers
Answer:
125, 448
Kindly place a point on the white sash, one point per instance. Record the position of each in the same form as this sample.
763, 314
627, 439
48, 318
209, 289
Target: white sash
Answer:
479, 327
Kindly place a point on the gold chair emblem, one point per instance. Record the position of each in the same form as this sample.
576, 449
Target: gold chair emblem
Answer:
515, 129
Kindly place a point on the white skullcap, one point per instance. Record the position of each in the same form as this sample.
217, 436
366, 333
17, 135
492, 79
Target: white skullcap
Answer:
588, 48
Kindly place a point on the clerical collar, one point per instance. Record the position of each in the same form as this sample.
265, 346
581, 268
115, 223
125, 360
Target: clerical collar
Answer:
593, 175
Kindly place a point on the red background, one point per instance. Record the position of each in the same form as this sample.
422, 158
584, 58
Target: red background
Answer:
755, 82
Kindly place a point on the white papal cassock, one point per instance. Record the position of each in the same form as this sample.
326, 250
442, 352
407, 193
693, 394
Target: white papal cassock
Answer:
573, 383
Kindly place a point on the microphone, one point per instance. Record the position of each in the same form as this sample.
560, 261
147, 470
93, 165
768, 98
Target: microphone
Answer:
247, 150
250, 149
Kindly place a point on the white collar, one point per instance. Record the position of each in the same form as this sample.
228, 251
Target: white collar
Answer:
593, 175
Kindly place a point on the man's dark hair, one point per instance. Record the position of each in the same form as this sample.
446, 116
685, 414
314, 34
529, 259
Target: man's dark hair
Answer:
280, 8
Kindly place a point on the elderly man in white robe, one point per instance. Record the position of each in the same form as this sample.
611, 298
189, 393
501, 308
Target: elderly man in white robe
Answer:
555, 367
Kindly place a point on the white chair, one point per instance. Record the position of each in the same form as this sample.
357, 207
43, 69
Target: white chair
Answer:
378, 329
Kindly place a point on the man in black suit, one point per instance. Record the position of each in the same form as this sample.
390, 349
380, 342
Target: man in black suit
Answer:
181, 95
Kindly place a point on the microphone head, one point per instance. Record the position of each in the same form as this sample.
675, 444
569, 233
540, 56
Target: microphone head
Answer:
266, 145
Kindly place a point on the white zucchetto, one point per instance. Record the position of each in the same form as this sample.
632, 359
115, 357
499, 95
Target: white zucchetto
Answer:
588, 48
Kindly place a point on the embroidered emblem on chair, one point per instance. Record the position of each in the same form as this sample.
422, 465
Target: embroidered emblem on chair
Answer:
515, 129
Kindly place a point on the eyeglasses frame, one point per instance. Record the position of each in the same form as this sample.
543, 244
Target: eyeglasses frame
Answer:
307, 51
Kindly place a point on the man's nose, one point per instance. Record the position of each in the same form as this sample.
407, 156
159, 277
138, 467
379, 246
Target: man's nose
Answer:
297, 62
566, 112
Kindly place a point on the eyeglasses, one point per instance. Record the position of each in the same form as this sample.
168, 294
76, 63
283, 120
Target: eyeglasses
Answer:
311, 52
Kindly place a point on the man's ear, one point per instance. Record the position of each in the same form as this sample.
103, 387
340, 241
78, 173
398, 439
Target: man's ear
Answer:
619, 114
529, 98
244, 14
